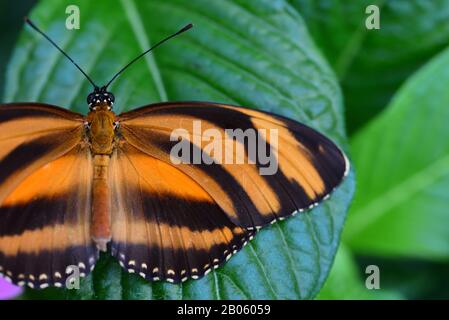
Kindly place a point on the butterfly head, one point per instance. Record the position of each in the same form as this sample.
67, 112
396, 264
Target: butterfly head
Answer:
100, 96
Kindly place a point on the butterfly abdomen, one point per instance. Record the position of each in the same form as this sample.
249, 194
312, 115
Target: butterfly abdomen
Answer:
101, 208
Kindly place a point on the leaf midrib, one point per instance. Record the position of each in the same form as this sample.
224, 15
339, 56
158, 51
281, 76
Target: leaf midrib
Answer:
142, 38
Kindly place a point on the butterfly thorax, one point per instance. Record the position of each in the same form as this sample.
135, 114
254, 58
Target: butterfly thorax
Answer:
101, 130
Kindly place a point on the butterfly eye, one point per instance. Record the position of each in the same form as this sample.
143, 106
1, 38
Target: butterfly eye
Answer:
90, 99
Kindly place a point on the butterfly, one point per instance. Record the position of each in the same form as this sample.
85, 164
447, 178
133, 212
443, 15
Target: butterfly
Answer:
73, 185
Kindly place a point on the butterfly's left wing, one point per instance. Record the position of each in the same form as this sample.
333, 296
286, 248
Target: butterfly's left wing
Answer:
174, 220
269, 167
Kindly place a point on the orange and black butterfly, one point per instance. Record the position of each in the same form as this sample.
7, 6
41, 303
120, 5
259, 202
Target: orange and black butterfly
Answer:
73, 185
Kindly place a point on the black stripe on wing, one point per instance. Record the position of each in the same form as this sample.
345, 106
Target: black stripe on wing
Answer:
39, 213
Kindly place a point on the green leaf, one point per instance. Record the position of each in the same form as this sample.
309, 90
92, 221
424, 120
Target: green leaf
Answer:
345, 281
402, 159
251, 53
372, 64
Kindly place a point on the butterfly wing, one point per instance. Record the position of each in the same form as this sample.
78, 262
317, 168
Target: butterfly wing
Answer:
308, 166
46, 173
165, 226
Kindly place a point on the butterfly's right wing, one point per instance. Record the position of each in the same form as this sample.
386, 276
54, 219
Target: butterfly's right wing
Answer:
45, 191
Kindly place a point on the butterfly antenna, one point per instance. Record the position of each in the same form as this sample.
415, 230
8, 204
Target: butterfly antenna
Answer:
32, 25
184, 29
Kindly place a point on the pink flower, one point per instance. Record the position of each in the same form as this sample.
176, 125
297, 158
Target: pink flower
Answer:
7, 290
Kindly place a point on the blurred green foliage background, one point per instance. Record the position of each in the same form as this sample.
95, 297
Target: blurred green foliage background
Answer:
11, 21
394, 82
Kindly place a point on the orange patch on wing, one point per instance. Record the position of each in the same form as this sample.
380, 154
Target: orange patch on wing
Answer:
36, 185
34, 126
165, 178
172, 237
57, 237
